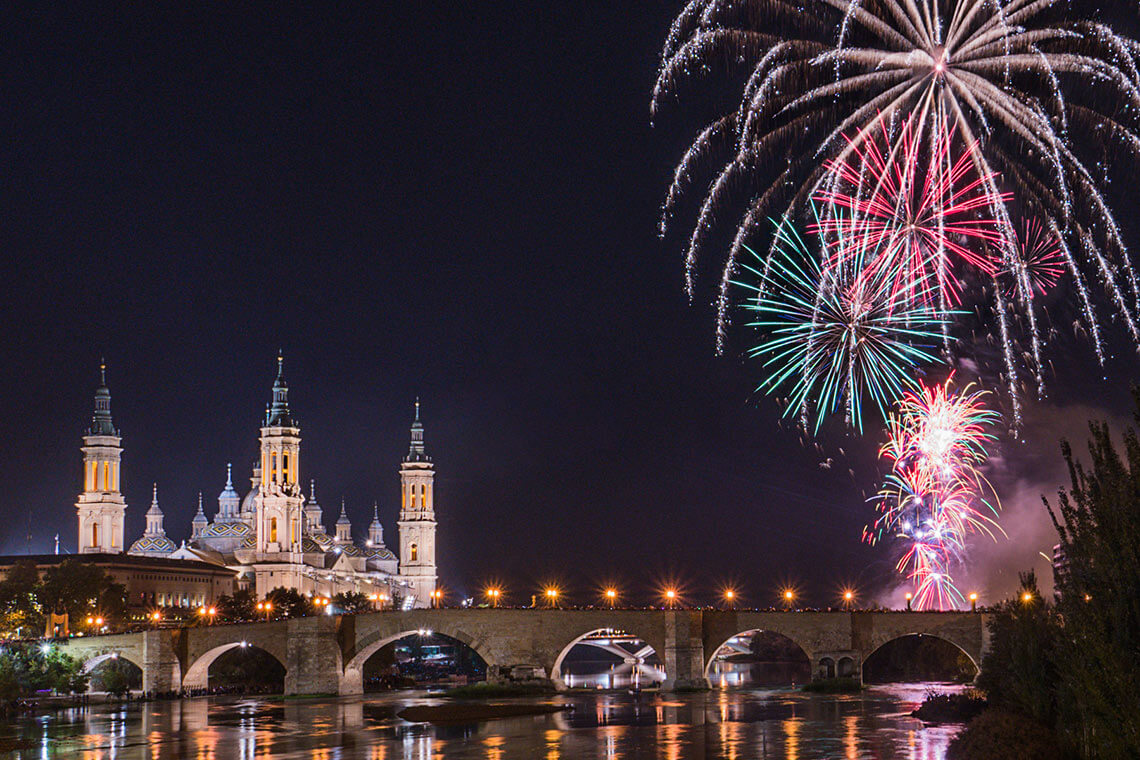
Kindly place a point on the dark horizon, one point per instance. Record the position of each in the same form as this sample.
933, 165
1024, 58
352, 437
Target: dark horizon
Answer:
411, 203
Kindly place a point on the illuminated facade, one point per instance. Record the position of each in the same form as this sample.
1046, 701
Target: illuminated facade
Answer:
275, 536
101, 507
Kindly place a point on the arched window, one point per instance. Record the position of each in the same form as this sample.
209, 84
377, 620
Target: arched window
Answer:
94, 534
415, 553
273, 467
272, 529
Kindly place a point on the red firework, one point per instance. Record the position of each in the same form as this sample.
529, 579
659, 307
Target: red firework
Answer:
922, 210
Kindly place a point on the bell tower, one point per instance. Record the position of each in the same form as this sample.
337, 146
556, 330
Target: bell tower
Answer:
417, 517
279, 524
101, 507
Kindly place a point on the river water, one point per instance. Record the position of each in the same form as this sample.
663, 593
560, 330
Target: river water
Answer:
736, 724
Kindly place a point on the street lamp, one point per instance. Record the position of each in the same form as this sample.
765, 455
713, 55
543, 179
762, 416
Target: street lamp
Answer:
156, 616
671, 597
437, 598
909, 596
552, 597
730, 597
493, 594
1027, 597
611, 597
973, 601
789, 597
848, 598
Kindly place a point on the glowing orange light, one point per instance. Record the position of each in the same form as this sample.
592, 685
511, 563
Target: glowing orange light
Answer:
973, 596
789, 595
670, 594
909, 596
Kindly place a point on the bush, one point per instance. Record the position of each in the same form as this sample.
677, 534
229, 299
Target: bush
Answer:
1000, 734
950, 708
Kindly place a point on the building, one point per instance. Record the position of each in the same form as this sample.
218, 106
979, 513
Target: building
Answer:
149, 581
274, 536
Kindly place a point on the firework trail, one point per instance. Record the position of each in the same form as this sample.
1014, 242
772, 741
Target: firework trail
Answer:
936, 496
1015, 82
833, 337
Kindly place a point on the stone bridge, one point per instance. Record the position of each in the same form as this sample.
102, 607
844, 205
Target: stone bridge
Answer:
325, 654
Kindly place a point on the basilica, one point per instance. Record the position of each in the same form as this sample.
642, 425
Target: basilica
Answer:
276, 535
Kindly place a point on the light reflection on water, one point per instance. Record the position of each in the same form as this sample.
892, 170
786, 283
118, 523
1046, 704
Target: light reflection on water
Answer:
734, 724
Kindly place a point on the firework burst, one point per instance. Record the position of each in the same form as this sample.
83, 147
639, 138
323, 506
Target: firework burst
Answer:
1014, 81
936, 496
834, 337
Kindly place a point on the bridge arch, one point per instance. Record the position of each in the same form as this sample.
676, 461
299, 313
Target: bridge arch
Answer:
352, 680
885, 642
94, 662
198, 673
727, 641
556, 675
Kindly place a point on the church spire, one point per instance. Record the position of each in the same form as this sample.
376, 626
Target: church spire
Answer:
416, 448
199, 523
277, 415
101, 423
154, 515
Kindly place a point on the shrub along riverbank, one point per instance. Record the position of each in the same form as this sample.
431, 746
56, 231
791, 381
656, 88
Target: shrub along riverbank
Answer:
1061, 679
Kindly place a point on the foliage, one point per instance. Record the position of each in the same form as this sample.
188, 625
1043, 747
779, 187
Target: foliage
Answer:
115, 680
1000, 734
242, 606
288, 602
26, 669
950, 708
20, 613
80, 589
1019, 672
352, 602
1098, 520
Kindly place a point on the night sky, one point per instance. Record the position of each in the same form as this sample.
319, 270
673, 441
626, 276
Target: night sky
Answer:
453, 201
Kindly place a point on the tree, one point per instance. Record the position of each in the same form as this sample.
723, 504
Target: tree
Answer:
20, 613
353, 602
1019, 672
1098, 522
288, 602
239, 607
81, 589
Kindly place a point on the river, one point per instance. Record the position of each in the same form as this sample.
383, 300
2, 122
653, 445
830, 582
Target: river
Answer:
736, 724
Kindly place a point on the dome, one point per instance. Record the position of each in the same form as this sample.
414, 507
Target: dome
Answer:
381, 553
249, 503
226, 529
152, 545
322, 540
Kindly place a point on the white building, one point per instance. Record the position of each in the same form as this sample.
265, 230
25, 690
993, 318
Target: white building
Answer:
274, 536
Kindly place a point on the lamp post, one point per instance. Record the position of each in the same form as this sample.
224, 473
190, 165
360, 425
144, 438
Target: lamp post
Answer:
493, 594
974, 601
848, 599
789, 598
909, 597
611, 597
670, 598
552, 597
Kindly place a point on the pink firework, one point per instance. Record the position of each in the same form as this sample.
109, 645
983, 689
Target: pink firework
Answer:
1036, 264
935, 495
924, 211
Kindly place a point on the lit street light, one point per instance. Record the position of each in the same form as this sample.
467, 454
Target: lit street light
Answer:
671, 597
552, 597
611, 597
493, 594
973, 601
909, 596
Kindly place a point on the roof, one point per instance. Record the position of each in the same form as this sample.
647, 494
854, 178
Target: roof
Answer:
223, 529
114, 560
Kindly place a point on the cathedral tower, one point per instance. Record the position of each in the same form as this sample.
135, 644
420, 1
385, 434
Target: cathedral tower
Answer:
102, 509
417, 517
279, 508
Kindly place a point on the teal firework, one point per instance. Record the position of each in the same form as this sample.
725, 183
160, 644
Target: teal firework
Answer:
837, 334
